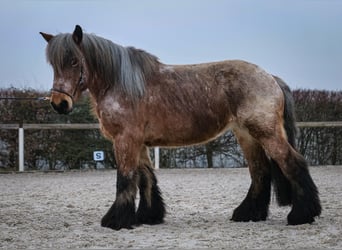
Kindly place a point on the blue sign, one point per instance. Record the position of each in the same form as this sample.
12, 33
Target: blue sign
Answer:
98, 155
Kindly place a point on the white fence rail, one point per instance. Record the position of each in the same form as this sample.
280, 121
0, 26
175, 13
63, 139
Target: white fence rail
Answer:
22, 127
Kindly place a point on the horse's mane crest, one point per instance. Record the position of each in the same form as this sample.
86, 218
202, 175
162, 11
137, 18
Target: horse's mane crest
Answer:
117, 66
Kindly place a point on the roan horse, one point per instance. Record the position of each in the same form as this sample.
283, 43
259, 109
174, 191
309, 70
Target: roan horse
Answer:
141, 103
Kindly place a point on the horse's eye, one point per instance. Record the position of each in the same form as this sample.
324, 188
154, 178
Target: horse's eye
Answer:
74, 62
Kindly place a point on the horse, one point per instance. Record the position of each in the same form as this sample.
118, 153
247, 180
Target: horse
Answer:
141, 102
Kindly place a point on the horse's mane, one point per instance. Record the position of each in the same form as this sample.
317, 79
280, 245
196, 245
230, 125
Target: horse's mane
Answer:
117, 66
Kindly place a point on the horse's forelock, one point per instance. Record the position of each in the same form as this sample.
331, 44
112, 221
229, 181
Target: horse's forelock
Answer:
60, 52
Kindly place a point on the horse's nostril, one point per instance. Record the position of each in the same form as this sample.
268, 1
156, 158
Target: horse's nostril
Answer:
62, 107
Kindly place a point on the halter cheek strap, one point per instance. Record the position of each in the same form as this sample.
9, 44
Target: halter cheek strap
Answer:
79, 84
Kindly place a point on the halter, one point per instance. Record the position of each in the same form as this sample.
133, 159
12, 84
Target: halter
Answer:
79, 83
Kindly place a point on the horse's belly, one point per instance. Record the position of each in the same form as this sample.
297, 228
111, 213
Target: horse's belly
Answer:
187, 131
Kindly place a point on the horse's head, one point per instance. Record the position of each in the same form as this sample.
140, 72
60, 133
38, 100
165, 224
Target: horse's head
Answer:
70, 73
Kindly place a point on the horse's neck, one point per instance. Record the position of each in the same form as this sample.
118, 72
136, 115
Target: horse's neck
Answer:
97, 89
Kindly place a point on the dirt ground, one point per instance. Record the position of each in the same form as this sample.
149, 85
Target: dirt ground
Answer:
63, 210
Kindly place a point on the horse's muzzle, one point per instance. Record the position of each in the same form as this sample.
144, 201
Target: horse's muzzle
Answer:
61, 103
62, 108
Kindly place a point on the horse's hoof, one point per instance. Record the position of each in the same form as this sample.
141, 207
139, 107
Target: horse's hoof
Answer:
119, 216
295, 217
115, 225
149, 220
245, 213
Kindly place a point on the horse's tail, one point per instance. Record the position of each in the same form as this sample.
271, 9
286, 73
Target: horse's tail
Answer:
289, 112
281, 184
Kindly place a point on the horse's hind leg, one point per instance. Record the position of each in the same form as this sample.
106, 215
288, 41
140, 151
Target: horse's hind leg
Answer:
151, 208
305, 201
255, 206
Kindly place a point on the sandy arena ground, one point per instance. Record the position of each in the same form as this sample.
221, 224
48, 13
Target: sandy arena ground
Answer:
63, 210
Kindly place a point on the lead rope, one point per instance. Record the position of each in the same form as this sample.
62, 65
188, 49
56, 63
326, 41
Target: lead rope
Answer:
43, 98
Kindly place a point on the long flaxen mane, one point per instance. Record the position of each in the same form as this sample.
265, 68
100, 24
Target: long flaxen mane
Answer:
123, 68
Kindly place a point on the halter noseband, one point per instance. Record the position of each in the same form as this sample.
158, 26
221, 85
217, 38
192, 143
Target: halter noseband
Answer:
79, 83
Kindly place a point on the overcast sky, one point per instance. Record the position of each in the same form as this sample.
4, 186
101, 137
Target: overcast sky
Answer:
299, 40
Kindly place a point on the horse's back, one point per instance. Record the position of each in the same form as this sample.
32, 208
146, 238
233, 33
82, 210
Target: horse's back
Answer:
245, 88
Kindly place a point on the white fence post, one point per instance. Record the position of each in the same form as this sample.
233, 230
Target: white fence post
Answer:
21, 149
156, 157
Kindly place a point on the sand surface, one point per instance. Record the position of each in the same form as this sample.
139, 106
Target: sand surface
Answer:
63, 210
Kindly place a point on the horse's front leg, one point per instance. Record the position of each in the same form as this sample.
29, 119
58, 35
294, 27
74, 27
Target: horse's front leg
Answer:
122, 212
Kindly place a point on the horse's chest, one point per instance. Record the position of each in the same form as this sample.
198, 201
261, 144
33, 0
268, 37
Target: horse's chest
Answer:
111, 116
109, 109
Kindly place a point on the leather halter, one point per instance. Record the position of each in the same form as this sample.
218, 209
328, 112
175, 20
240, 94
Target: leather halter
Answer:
79, 83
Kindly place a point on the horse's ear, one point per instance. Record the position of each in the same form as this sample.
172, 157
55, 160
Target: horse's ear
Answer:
77, 35
47, 37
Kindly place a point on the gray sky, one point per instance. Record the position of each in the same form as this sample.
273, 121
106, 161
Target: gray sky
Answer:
299, 40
